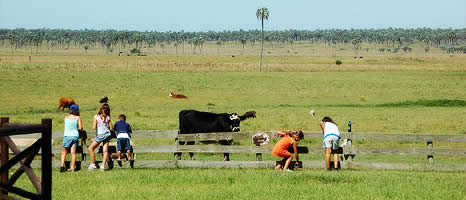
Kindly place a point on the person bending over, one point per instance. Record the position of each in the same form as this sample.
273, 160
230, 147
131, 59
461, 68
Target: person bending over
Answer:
280, 149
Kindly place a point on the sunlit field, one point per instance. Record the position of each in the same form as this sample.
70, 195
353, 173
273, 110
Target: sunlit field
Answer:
416, 92
254, 184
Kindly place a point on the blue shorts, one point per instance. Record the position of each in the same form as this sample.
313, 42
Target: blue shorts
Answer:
123, 144
103, 137
69, 141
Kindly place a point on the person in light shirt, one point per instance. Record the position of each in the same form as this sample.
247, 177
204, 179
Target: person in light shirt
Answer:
331, 141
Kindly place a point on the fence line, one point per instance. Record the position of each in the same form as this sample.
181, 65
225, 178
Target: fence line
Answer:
349, 151
399, 137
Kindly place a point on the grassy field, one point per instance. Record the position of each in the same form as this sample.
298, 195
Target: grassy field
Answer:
380, 93
371, 100
254, 184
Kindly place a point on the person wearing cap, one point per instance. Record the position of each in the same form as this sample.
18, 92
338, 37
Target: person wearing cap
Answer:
71, 137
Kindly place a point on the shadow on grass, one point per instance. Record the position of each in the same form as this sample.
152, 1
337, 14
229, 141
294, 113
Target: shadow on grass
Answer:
423, 102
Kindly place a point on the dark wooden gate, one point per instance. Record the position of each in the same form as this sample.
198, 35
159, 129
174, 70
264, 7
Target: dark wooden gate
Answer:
25, 157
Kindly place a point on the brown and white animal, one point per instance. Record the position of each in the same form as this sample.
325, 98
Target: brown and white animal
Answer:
65, 103
180, 96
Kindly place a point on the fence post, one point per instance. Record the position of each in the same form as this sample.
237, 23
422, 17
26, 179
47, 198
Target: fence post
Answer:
46, 159
430, 152
258, 156
177, 154
349, 143
4, 153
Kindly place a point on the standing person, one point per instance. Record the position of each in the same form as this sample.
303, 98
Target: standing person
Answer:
123, 131
71, 137
280, 149
103, 125
331, 141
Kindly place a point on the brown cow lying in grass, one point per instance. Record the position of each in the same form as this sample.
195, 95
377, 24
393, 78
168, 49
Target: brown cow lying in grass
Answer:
65, 103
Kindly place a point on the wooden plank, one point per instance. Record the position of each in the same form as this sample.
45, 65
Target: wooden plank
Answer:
405, 151
215, 149
406, 137
268, 149
271, 164
155, 149
248, 135
344, 135
16, 129
154, 134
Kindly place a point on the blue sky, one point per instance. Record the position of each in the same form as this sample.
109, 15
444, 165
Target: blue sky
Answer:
218, 15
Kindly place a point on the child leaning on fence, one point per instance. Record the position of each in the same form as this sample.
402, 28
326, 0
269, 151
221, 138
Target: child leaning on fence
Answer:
331, 141
280, 149
123, 131
70, 141
103, 125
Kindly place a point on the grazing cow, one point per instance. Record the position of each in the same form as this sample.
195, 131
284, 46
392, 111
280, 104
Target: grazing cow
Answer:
65, 103
193, 121
177, 96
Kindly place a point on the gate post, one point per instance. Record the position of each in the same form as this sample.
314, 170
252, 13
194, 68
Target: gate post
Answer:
46, 159
4, 153
430, 152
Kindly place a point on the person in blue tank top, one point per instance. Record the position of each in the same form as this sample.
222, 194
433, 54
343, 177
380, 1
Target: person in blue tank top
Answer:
71, 137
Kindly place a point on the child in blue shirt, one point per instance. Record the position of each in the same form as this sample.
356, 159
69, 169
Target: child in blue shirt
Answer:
123, 131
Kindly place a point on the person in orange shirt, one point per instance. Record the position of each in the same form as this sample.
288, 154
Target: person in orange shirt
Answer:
280, 150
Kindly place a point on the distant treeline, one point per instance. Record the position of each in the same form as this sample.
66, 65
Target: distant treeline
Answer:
391, 37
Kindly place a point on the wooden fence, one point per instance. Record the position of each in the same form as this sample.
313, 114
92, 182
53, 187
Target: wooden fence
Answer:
25, 158
348, 152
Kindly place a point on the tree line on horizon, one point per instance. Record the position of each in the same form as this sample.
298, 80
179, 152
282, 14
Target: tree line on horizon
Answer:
447, 39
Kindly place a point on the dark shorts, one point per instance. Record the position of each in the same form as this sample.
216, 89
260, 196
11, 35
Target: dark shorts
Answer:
123, 144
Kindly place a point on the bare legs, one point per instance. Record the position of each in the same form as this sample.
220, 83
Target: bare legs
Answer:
328, 152
92, 152
64, 151
286, 161
128, 155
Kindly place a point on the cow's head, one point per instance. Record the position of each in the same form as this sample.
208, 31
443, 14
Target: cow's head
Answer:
235, 120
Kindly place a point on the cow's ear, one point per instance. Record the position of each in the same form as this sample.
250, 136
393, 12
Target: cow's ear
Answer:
248, 115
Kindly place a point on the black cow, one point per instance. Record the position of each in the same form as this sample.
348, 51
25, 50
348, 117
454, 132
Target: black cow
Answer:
193, 121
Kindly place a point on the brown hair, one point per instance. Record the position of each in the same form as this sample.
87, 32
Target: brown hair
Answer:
299, 133
328, 119
122, 117
76, 112
106, 109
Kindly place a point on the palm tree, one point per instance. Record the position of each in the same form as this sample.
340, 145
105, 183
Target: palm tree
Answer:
261, 14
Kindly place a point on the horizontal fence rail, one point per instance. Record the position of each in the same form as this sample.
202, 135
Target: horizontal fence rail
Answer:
408, 137
350, 150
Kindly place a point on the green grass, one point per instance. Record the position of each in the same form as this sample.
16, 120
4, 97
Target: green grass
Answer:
281, 100
254, 184
429, 103
382, 93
